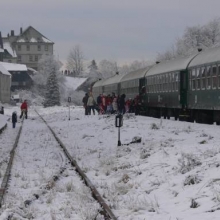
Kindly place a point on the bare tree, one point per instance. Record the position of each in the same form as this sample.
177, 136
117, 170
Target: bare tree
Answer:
75, 60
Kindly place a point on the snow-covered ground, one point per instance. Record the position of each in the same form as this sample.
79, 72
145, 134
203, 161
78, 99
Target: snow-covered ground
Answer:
172, 174
74, 82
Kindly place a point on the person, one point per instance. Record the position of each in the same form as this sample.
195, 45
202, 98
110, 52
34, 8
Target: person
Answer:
108, 104
90, 104
99, 99
85, 100
122, 104
24, 109
115, 104
14, 119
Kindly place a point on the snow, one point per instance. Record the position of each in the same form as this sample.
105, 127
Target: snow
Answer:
171, 65
14, 66
46, 40
210, 55
21, 40
3, 120
74, 82
175, 164
3, 70
137, 74
33, 40
7, 46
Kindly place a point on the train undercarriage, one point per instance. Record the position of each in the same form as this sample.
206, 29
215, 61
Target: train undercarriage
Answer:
189, 115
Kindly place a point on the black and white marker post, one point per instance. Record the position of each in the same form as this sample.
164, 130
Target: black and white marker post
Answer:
118, 124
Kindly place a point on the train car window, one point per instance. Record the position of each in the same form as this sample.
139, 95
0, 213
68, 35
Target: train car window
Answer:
193, 78
208, 77
198, 79
218, 76
190, 74
214, 77
176, 81
173, 82
203, 79
168, 84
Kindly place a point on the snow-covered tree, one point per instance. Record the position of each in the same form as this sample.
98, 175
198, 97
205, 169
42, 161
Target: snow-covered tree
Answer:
45, 65
93, 66
52, 97
93, 71
194, 38
108, 68
75, 60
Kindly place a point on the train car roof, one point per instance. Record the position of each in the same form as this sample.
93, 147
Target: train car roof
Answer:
171, 65
112, 80
137, 74
210, 55
99, 83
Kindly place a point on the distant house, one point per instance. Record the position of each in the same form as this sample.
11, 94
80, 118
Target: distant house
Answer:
20, 78
5, 85
27, 47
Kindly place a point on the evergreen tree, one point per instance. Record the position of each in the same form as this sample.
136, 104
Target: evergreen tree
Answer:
93, 66
52, 97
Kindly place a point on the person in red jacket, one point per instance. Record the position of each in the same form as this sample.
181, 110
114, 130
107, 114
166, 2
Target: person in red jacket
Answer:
24, 109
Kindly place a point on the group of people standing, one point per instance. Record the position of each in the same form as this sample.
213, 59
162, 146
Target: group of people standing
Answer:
110, 104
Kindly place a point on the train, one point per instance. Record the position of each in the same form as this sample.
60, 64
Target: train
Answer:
186, 88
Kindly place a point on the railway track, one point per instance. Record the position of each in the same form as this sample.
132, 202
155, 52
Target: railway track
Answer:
41, 178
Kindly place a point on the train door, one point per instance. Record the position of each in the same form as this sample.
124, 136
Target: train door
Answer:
183, 88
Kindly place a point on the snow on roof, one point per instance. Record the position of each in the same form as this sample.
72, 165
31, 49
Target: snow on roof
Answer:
137, 74
14, 66
46, 40
208, 56
1, 50
113, 80
8, 47
33, 40
21, 40
74, 82
3, 70
99, 83
171, 65
32, 70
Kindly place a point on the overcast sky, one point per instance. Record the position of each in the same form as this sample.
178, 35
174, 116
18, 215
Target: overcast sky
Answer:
118, 30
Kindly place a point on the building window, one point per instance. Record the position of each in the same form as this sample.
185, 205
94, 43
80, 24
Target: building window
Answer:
28, 47
19, 58
36, 58
38, 47
19, 47
30, 58
46, 47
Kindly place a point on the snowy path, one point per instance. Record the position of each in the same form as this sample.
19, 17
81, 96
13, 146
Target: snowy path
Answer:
38, 159
7, 139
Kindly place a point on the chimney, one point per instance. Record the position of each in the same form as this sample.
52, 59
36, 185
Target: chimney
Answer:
157, 62
199, 49
12, 33
21, 31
